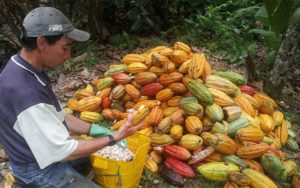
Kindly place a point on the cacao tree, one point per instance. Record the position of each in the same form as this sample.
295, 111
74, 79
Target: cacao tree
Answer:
278, 14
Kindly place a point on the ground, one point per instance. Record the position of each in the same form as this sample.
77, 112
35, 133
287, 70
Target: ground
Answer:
70, 80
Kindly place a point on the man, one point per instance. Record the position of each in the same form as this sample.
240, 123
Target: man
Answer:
33, 128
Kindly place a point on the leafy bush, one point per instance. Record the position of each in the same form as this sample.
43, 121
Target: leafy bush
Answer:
222, 29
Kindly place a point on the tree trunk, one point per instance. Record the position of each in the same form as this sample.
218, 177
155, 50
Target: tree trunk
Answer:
288, 54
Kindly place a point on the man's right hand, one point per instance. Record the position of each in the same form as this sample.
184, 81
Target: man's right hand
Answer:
127, 129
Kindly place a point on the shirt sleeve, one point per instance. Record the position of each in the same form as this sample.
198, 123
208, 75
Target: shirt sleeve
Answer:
43, 129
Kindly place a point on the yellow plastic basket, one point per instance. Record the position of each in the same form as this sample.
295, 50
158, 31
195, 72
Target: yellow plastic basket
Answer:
112, 174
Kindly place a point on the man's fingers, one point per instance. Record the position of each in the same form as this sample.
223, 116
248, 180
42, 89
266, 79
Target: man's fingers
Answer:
137, 127
129, 118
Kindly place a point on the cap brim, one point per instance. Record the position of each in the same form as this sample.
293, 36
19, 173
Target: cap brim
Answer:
78, 35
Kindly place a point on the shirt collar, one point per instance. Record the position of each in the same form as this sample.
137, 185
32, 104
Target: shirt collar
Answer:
40, 76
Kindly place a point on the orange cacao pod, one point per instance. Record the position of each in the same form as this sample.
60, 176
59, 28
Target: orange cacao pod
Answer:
252, 150
156, 115
143, 78
164, 94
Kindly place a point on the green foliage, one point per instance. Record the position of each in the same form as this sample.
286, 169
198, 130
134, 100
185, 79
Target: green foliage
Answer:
275, 15
296, 16
223, 29
279, 13
90, 62
123, 41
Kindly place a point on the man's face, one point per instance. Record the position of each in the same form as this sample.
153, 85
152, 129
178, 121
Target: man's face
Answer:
56, 54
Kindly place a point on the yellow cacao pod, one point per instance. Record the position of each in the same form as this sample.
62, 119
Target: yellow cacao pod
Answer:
258, 180
266, 123
217, 171
151, 165
176, 132
182, 46
140, 115
91, 117
191, 142
193, 124
197, 65
88, 104
133, 58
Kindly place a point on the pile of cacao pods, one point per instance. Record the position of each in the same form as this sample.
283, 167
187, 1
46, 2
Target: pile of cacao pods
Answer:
198, 120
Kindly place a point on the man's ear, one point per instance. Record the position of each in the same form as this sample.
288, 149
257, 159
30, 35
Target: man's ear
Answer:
41, 43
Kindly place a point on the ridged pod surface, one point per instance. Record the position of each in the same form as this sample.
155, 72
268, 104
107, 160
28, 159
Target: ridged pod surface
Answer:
281, 132
178, 87
221, 98
164, 94
133, 58
180, 167
88, 104
266, 123
200, 92
266, 104
91, 117
217, 171
151, 89
245, 105
176, 132
182, 46
221, 84
151, 165
156, 115
190, 141
177, 152
121, 78
157, 139
179, 56
143, 78
259, 180
220, 142
278, 118
136, 68
197, 65
117, 92
169, 78
234, 77
214, 112
193, 124
105, 83
249, 134
251, 150
164, 126
132, 91
140, 115
81, 93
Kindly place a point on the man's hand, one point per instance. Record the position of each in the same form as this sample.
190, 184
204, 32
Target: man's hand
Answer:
99, 131
127, 129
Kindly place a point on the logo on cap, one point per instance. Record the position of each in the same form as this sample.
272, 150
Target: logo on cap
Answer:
53, 28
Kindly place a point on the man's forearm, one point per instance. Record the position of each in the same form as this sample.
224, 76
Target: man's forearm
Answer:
86, 147
77, 125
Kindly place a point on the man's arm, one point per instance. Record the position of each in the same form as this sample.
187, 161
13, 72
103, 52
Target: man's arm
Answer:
86, 147
76, 125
